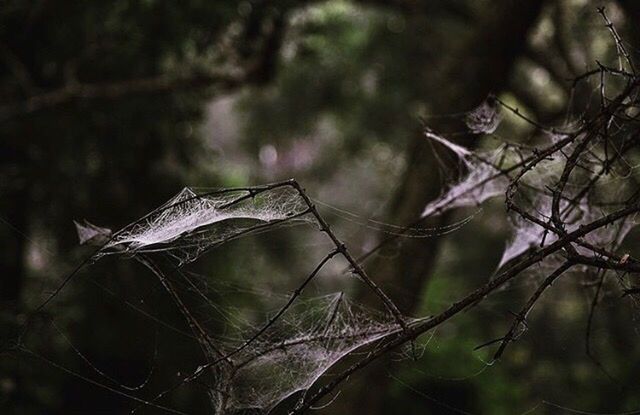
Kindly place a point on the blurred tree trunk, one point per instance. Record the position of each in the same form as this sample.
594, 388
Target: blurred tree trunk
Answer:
469, 73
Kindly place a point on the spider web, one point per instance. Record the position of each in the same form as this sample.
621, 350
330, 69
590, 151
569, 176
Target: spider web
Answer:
294, 353
190, 223
255, 362
258, 363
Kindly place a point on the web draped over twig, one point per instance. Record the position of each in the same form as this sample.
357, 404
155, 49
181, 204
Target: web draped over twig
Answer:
189, 224
480, 178
292, 355
254, 366
570, 207
588, 194
571, 199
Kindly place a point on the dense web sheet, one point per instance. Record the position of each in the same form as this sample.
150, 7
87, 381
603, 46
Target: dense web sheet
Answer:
91, 234
588, 193
485, 118
293, 353
480, 179
190, 223
526, 235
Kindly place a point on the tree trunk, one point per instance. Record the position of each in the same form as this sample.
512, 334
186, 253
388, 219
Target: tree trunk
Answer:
479, 67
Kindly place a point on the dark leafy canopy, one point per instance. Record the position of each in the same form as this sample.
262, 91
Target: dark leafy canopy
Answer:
101, 110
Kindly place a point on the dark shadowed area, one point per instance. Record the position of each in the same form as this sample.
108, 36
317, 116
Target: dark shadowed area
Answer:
332, 207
